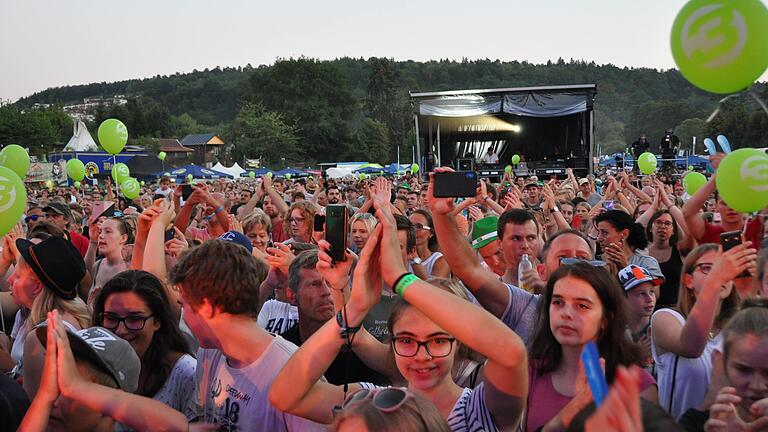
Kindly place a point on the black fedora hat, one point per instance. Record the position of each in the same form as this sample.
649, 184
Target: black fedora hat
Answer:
56, 262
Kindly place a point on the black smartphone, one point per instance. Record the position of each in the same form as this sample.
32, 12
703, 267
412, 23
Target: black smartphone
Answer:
319, 222
169, 234
459, 184
336, 220
729, 240
186, 191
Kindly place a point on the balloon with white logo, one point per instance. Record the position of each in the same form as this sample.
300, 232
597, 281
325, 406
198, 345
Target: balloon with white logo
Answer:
13, 198
720, 45
742, 180
130, 188
120, 172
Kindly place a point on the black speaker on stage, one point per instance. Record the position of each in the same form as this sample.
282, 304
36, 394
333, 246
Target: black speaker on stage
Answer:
466, 164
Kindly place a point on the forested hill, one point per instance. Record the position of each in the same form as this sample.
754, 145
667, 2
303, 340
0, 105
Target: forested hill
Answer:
353, 105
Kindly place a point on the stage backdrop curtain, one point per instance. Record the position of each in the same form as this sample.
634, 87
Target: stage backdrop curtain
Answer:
545, 104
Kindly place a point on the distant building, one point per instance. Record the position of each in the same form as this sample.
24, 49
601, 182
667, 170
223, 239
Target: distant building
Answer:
207, 147
82, 111
176, 154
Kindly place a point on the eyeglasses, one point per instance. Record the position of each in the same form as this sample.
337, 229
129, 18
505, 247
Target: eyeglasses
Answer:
131, 322
704, 267
387, 399
572, 261
32, 218
296, 220
661, 223
419, 226
409, 347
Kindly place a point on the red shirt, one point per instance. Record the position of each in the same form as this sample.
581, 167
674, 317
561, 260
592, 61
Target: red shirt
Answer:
278, 235
79, 242
712, 233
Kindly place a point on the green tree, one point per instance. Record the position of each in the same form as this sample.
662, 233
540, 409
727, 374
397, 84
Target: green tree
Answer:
689, 128
653, 118
371, 142
39, 130
314, 96
258, 133
386, 101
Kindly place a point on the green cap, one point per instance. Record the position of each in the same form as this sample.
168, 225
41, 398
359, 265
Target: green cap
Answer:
484, 231
404, 186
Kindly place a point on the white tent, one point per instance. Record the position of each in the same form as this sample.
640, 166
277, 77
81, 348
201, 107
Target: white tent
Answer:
81, 140
235, 170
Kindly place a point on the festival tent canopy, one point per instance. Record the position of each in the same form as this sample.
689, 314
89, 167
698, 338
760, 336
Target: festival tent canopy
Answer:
144, 166
258, 172
81, 140
197, 172
235, 170
292, 171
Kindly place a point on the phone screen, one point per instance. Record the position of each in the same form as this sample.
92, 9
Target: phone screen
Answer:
186, 191
336, 230
460, 184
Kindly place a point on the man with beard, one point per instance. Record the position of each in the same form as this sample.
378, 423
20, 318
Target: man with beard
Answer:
245, 196
311, 294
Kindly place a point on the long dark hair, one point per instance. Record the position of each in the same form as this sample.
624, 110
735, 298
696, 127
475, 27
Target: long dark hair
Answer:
620, 221
167, 339
546, 352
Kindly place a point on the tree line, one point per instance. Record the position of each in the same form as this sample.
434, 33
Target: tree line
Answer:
307, 110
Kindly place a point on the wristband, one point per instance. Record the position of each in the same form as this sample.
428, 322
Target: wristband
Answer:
345, 331
403, 282
218, 209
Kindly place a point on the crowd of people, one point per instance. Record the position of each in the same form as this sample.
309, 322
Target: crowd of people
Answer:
218, 306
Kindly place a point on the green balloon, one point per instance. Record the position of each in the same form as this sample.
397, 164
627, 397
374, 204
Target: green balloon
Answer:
130, 188
515, 159
252, 174
742, 180
287, 176
508, 169
414, 168
76, 169
690, 167
49, 184
647, 163
120, 172
190, 177
693, 181
141, 182
362, 176
77, 185
161, 156
113, 135
16, 158
269, 174
166, 174
720, 46
13, 199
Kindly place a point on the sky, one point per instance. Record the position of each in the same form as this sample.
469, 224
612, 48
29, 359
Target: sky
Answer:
55, 43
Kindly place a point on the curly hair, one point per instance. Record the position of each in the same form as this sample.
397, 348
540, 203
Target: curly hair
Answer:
222, 272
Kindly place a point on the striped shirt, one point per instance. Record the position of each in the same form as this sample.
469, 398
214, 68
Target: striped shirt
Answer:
469, 414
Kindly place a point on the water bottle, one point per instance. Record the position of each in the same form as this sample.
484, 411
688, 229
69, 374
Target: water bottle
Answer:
525, 265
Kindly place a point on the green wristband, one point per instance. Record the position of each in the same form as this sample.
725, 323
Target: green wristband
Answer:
404, 282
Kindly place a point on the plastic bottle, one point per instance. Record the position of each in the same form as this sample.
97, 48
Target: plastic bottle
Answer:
525, 265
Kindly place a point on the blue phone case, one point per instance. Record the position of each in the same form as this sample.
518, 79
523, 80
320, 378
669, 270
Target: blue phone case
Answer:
595, 376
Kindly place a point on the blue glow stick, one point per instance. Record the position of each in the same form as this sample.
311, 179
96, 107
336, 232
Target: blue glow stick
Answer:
594, 373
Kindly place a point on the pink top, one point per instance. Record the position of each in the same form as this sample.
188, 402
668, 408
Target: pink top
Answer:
201, 234
544, 401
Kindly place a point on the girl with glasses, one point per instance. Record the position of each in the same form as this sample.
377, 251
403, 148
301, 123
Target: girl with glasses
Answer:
425, 334
135, 307
683, 337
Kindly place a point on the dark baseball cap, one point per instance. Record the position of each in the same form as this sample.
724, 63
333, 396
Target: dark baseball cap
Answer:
58, 208
238, 238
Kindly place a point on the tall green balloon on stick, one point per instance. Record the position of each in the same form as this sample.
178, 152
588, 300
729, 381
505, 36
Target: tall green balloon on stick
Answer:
515, 159
76, 169
130, 188
113, 135
120, 172
647, 163
13, 199
15, 158
720, 46
161, 155
742, 180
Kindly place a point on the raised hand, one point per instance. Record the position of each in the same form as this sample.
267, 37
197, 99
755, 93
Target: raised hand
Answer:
49, 384
336, 274
620, 410
367, 280
723, 415
730, 264
382, 190
177, 245
280, 257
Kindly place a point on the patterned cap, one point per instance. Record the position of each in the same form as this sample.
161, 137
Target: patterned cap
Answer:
632, 276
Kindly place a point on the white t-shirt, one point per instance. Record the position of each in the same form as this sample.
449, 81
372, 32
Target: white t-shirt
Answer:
276, 317
166, 192
238, 399
179, 387
18, 334
691, 379
470, 413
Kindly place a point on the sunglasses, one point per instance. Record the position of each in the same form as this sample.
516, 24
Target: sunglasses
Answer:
387, 399
572, 261
32, 218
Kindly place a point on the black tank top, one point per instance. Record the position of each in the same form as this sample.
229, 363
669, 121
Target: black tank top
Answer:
671, 270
